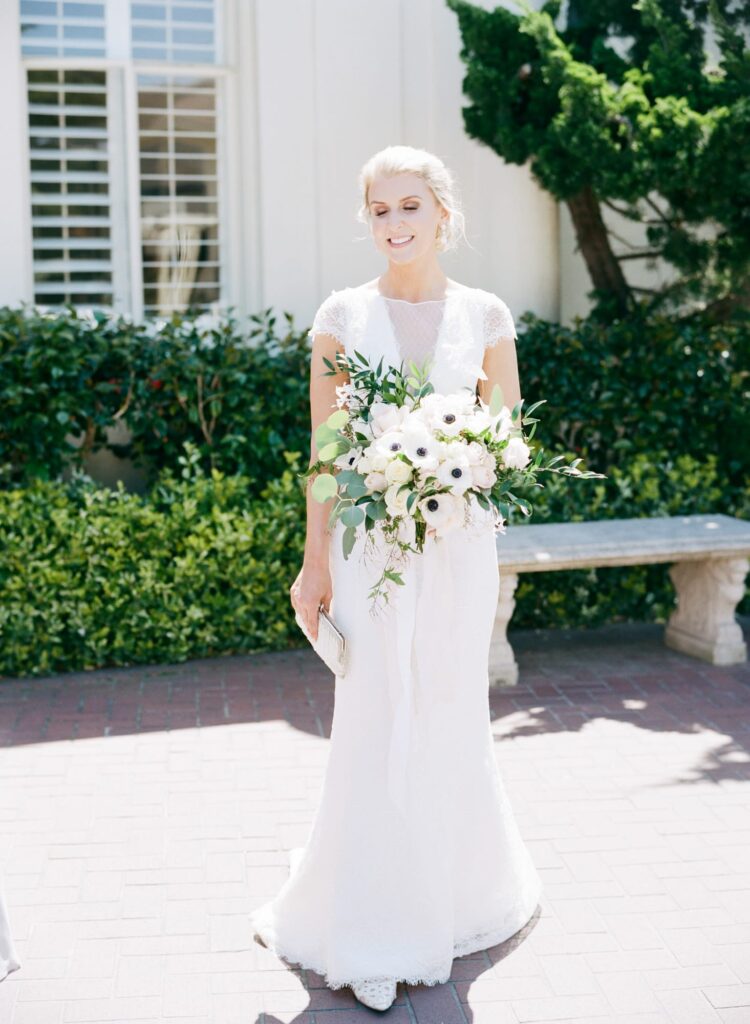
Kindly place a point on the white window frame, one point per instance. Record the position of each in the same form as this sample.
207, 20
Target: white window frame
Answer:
122, 113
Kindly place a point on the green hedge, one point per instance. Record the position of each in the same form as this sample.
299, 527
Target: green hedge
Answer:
91, 577
630, 386
203, 562
239, 392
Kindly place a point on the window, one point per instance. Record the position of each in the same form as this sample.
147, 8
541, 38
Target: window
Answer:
57, 28
125, 153
70, 201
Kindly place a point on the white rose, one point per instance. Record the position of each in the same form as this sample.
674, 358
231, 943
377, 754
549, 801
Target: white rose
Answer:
422, 474
398, 472
475, 452
516, 453
395, 500
386, 416
483, 476
376, 481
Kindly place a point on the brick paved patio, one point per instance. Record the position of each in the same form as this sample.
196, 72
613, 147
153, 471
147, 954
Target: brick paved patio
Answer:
145, 812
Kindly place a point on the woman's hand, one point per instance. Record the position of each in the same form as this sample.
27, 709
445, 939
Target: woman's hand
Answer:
312, 588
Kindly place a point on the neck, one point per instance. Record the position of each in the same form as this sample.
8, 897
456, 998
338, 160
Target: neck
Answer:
416, 281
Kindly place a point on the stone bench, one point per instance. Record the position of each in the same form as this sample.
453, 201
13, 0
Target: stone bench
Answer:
709, 556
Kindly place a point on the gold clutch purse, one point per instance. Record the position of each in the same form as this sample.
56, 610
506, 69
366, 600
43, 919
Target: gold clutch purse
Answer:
330, 644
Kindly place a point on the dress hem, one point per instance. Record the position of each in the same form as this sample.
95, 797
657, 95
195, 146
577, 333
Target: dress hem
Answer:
472, 943
7, 967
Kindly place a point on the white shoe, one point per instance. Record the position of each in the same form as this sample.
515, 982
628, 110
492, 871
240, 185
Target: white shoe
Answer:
377, 994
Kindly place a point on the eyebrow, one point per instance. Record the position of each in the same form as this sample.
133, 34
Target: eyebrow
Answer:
381, 203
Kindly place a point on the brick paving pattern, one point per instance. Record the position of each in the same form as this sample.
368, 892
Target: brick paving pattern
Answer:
145, 812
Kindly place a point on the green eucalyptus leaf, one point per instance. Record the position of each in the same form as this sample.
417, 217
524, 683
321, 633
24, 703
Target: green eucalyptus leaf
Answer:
324, 435
337, 419
496, 400
352, 516
348, 540
331, 451
323, 487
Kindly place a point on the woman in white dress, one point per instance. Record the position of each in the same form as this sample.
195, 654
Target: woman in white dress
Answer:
8, 957
414, 856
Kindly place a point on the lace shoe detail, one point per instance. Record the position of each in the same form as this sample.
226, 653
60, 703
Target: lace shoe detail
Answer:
377, 993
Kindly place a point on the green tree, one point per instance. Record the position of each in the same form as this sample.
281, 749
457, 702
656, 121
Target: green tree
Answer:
623, 107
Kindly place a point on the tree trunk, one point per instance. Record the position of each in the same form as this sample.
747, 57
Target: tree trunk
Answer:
719, 310
603, 266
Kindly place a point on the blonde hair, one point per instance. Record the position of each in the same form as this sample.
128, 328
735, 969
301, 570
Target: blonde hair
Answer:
407, 159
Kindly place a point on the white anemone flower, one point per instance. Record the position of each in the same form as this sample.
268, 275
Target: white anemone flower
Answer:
447, 413
421, 447
443, 512
455, 471
516, 454
364, 463
388, 445
348, 460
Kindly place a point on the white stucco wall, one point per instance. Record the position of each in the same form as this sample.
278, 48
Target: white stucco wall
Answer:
318, 86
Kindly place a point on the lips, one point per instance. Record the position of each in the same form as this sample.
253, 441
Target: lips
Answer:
400, 243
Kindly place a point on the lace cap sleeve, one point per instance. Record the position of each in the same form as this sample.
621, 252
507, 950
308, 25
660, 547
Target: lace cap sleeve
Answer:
330, 317
498, 321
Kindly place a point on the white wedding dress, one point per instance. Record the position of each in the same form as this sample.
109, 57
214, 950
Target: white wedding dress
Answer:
414, 856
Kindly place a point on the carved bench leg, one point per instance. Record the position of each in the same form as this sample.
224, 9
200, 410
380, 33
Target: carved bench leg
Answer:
502, 665
703, 624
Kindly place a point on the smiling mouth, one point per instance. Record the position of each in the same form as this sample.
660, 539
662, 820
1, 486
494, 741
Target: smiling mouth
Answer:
400, 243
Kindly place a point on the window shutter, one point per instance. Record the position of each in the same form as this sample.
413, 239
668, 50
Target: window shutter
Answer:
63, 28
70, 186
177, 118
125, 141
174, 30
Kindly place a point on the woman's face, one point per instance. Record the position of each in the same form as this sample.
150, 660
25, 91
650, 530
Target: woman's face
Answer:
404, 216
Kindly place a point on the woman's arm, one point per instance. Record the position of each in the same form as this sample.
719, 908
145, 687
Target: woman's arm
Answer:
322, 404
312, 587
501, 366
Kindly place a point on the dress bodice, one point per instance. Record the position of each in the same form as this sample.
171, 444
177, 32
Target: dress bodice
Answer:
452, 332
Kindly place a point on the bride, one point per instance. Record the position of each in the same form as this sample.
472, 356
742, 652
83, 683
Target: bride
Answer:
414, 856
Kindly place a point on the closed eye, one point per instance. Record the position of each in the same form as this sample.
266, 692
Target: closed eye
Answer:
381, 212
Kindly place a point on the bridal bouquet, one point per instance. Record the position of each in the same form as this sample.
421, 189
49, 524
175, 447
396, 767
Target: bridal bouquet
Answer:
411, 462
